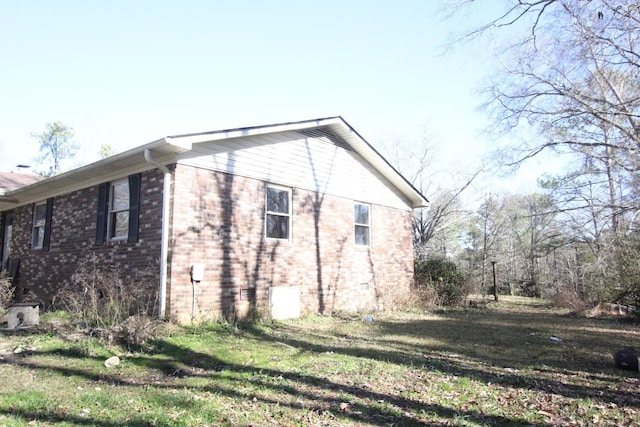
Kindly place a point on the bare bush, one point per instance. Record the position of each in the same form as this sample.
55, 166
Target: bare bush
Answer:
426, 297
569, 299
6, 293
392, 298
100, 296
135, 331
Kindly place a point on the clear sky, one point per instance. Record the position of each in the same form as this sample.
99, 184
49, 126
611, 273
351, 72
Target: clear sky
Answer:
129, 72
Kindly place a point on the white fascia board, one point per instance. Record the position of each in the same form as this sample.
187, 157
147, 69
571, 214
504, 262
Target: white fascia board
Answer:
196, 138
366, 150
114, 167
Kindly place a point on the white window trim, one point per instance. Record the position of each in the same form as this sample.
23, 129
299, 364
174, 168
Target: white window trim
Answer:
34, 226
288, 214
368, 225
111, 211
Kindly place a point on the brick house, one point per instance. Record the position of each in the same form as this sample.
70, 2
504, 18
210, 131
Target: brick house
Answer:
288, 219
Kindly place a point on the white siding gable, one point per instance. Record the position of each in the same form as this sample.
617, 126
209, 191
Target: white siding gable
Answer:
312, 160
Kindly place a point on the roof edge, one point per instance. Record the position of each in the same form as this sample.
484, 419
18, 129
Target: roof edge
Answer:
169, 146
366, 150
390, 172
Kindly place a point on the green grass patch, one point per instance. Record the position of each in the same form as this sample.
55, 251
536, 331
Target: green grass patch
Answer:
495, 365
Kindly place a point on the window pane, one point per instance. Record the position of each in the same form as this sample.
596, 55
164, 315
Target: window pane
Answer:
120, 196
277, 227
40, 215
277, 200
38, 237
362, 235
119, 224
361, 214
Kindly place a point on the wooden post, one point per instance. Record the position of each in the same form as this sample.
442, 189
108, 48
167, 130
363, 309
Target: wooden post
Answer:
495, 284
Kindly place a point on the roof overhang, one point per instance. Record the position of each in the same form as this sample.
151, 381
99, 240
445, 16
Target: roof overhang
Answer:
165, 150
366, 150
114, 167
337, 125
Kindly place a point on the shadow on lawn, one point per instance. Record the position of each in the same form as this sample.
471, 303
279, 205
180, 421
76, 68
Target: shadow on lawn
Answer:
31, 418
322, 392
274, 387
511, 350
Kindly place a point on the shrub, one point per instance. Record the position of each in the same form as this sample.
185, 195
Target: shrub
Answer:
566, 298
390, 298
6, 293
135, 331
99, 296
626, 289
442, 277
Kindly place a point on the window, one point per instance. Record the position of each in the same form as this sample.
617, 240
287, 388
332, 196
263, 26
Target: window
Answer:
119, 210
278, 213
39, 221
118, 214
7, 220
41, 233
362, 224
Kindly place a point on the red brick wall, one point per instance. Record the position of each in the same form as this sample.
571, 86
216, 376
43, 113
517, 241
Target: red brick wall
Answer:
73, 231
218, 221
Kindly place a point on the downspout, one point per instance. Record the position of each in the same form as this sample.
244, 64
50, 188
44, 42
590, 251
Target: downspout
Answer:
164, 250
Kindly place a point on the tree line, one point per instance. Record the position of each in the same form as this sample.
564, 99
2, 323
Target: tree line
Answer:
568, 84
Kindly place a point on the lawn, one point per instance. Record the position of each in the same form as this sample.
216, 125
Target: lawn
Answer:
496, 365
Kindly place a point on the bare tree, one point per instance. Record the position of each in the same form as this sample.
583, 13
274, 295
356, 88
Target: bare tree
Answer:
56, 145
106, 150
569, 77
519, 233
485, 231
434, 228
573, 73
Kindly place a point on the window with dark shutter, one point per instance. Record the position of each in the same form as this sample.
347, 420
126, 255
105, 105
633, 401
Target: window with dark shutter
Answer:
101, 215
134, 207
118, 216
46, 241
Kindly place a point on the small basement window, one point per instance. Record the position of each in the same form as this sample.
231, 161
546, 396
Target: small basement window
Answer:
248, 294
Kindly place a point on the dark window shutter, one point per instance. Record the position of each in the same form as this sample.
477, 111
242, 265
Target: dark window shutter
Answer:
101, 215
47, 225
134, 206
3, 227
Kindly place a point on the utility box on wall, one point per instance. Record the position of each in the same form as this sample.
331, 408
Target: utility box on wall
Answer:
197, 272
20, 315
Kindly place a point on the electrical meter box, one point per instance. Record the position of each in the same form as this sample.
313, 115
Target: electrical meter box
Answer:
197, 272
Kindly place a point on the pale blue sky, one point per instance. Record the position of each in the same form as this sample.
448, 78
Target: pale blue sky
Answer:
129, 72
